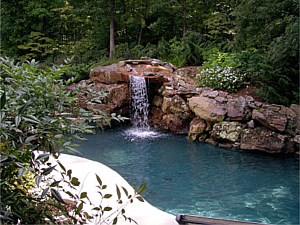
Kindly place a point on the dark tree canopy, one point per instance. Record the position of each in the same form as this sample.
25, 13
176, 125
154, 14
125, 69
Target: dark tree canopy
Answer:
266, 33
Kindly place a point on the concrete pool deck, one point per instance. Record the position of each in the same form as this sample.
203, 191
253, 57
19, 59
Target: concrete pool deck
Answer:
142, 212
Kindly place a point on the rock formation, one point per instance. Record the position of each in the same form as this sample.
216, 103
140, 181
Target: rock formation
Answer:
203, 114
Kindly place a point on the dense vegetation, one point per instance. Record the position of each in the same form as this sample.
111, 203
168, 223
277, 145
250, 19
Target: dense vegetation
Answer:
33, 128
264, 35
235, 42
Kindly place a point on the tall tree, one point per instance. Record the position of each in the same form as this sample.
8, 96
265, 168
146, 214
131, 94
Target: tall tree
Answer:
112, 29
184, 18
271, 28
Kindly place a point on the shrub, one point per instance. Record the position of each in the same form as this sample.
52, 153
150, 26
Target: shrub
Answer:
195, 44
32, 101
276, 83
221, 71
76, 72
227, 78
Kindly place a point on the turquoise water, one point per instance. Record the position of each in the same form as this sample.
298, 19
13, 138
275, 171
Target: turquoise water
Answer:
200, 179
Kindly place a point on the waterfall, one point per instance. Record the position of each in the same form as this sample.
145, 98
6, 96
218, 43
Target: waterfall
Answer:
139, 102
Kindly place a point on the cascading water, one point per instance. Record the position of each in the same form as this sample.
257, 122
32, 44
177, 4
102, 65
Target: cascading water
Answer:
139, 102
139, 110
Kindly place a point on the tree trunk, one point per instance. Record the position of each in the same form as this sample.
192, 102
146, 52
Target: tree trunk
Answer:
184, 19
112, 29
140, 35
144, 12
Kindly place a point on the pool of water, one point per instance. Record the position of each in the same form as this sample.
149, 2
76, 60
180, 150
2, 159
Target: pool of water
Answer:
200, 179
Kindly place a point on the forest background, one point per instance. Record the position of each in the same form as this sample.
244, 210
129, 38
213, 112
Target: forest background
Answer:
261, 37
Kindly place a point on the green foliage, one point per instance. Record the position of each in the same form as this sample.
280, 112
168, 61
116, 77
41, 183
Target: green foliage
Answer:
222, 71
222, 78
38, 47
175, 52
171, 31
215, 57
33, 129
76, 72
195, 44
29, 122
268, 32
276, 85
182, 52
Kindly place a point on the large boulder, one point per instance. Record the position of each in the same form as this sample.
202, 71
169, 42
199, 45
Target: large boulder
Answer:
111, 74
114, 98
177, 115
207, 108
263, 139
271, 116
121, 72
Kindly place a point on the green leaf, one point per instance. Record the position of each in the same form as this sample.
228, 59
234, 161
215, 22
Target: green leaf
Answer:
70, 194
140, 198
38, 180
2, 115
17, 120
115, 220
118, 192
48, 170
55, 183
99, 180
45, 191
56, 195
58, 136
21, 172
23, 107
107, 196
125, 190
31, 119
67, 143
107, 208
79, 208
61, 166
75, 181
83, 195
69, 173
41, 156
141, 189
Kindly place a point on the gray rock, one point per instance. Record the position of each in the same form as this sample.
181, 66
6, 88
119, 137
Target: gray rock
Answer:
236, 108
213, 94
251, 124
263, 139
296, 109
207, 108
269, 117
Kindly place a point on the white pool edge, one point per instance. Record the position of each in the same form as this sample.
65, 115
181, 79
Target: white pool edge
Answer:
142, 212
